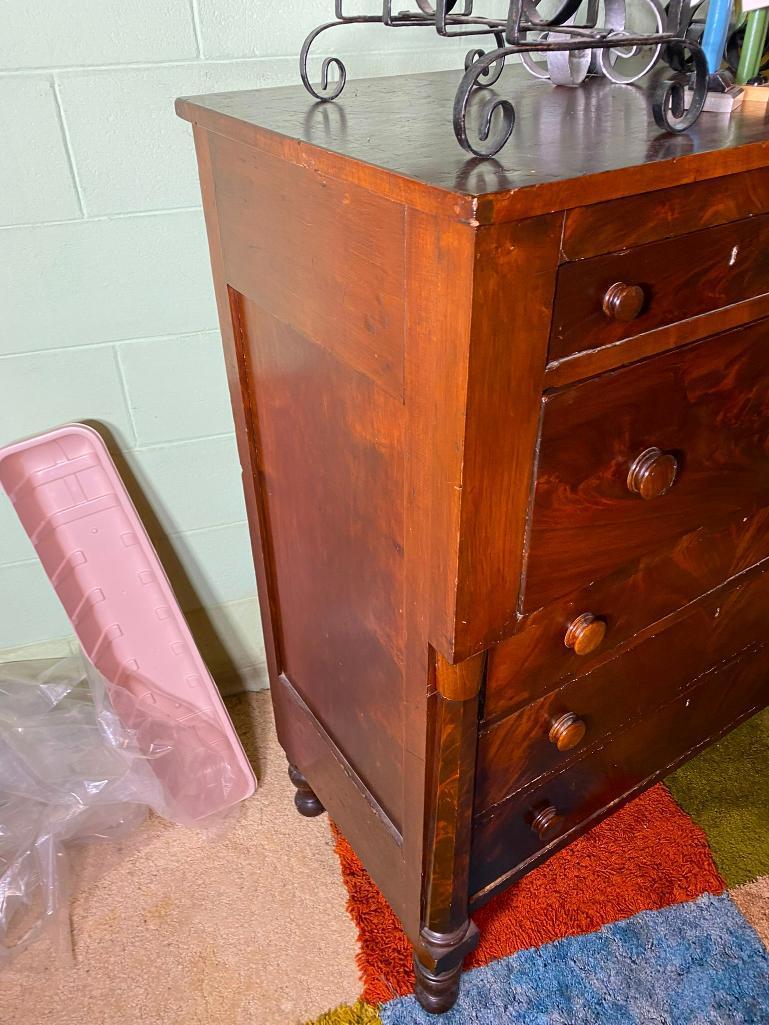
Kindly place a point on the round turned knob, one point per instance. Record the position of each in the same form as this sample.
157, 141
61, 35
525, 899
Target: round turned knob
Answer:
547, 823
567, 731
653, 473
585, 634
623, 302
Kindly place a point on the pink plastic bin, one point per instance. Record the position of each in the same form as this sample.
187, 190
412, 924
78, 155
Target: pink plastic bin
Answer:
73, 505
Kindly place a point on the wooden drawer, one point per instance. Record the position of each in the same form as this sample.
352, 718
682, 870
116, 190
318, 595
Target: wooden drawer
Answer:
673, 280
631, 600
505, 844
706, 405
524, 746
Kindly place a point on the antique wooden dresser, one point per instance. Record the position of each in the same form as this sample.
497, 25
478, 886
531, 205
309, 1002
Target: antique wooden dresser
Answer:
504, 430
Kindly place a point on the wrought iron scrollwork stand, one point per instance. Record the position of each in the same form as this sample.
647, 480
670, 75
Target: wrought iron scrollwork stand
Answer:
525, 31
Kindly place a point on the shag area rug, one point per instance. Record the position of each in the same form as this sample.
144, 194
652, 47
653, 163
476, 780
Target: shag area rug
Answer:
659, 915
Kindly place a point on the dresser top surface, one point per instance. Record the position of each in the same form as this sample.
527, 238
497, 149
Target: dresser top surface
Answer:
395, 135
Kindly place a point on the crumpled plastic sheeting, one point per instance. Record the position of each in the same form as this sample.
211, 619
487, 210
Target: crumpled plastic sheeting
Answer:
70, 771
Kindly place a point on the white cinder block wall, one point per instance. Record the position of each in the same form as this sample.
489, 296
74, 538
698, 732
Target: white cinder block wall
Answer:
106, 306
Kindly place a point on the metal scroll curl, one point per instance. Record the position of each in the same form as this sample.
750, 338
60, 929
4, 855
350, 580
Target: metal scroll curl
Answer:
669, 104
575, 41
328, 90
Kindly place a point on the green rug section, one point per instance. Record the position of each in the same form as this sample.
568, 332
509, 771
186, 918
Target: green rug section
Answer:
726, 791
350, 1014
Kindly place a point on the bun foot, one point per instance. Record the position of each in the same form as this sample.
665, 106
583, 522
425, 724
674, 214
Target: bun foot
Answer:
436, 992
306, 802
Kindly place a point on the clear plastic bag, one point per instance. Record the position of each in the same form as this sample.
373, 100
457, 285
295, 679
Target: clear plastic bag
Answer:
72, 770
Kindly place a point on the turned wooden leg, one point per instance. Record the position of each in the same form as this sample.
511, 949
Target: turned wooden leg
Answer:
306, 802
436, 992
438, 961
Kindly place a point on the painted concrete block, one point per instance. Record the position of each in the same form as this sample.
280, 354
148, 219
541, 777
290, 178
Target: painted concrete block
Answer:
176, 387
42, 33
95, 281
45, 389
190, 485
36, 182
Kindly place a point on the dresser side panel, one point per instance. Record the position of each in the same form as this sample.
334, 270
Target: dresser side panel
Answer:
321, 436
323, 256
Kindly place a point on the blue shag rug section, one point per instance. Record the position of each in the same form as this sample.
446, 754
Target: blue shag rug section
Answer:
698, 963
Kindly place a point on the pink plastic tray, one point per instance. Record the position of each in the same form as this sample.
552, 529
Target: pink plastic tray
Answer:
73, 505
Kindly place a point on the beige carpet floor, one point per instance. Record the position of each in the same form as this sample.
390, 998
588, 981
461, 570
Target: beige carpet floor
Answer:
172, 927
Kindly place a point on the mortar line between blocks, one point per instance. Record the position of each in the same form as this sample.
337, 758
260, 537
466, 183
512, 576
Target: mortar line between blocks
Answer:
109, 341
117, 215
75, 69
176, 442
126, 395
196, 27
68, 147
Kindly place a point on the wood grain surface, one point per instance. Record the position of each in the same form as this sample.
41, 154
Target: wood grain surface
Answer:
708, 404
423, 479
570, 146
631, 602
517, 750
634, 220
680, 278
504, 844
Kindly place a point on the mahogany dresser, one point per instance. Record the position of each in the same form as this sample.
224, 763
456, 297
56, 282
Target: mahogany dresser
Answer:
504, 430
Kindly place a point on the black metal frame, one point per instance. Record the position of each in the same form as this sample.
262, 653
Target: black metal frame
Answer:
521, 32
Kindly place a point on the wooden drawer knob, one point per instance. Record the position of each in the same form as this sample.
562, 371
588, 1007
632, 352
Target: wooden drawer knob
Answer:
567, 731
547, 823
585, 634
653, 473
623, 302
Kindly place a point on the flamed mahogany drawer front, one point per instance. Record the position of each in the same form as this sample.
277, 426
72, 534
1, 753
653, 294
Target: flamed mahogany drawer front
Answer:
607, 298
631, 460
513, 832
531, 662
546, 734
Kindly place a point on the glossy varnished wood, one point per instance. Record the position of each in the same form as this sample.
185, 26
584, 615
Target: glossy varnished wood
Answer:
591, 362
635, 220
570, 145
296, 261
343, 523
677, 278
502, 410
504, 843
425, 480
706, 404
630, 601
629, 685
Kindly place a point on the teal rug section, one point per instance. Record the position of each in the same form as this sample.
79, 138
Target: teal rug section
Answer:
690, 964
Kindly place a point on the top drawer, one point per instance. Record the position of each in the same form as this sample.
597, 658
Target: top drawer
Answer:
704, 407
608, 298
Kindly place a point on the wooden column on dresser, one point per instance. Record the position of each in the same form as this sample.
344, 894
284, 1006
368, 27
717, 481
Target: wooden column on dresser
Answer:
494, 466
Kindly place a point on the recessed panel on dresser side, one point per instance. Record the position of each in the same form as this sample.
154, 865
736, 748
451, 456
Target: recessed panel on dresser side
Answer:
335, 540
315, 274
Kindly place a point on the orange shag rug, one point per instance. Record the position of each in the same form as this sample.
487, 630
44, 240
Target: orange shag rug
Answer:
646, 856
